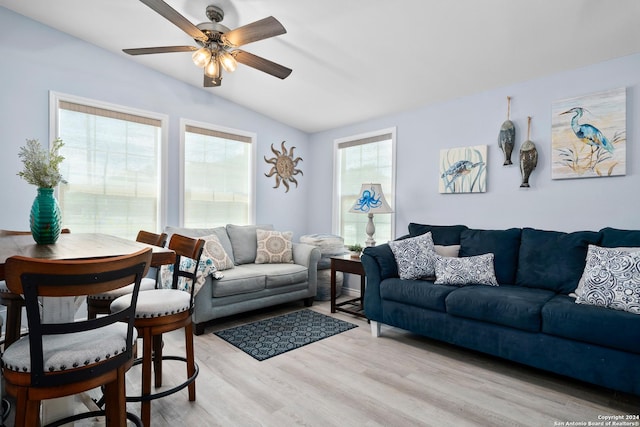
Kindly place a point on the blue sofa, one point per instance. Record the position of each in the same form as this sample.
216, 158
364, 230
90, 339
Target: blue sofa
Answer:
529, 318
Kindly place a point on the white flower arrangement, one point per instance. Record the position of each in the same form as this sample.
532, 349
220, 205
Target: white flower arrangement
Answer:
41, 167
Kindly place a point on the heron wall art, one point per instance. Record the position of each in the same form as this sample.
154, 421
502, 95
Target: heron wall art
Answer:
588, 135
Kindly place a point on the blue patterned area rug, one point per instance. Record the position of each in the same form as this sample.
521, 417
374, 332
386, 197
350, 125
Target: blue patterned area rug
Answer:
271, 337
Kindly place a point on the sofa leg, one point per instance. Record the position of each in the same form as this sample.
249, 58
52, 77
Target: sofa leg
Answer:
375, 329
308, 302
198, 328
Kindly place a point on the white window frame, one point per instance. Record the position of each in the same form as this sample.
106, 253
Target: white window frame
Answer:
252, 164
54, 125
335, 223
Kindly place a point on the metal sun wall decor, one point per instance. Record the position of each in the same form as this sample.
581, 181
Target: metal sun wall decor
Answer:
463, 170
284, 166
588, 135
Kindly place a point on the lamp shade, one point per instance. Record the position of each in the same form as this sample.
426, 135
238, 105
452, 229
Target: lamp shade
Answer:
371, 200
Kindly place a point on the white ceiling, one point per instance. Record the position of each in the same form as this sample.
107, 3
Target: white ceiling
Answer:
358, 59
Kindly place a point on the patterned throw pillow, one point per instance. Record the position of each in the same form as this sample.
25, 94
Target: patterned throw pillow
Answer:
214, 250
274, 247
472, 270
612, 279
205, 267
415, 256
580, 289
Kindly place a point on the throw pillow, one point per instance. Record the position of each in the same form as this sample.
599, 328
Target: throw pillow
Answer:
447, 250
612, 279
221, 232
205, 267
274, 247
579, 290
415, 256
214, 250
473, 270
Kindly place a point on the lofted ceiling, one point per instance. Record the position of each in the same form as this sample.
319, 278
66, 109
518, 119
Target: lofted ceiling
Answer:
354, 60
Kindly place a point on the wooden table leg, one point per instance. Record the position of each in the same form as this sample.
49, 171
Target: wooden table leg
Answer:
333, 289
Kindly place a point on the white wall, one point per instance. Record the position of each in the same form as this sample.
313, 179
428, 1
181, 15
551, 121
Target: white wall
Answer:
68, 65
565, 205
35, 59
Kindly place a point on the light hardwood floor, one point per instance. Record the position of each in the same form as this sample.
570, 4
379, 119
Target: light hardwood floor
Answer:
353, 379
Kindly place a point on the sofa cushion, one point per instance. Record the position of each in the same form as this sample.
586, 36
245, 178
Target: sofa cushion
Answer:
611, 279
512, 306
385, 259
274, 247
415, 256
221, 232
552, 259
441, 234
503, 244
614, 237
473, 270
244, 241
278, 275
418, 293
587, 323
214, 250
240, 280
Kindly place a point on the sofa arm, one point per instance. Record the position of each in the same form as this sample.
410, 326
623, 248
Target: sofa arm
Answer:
379, 264
307, 256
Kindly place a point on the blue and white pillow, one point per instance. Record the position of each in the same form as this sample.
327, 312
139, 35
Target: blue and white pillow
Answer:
611, 279
205, 268
472, 270
415, 256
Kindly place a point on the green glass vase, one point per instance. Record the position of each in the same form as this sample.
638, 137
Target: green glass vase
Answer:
45, 217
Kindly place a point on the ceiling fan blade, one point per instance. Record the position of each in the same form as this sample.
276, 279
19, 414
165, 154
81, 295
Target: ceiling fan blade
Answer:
211, 82
262, 64
259, 30
176, 19
163, 49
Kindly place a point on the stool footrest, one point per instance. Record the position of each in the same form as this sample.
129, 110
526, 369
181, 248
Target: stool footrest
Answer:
131, 417
153, 396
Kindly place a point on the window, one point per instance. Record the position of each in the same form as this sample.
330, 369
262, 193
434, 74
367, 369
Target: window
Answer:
218, 176
112, 166
363, 159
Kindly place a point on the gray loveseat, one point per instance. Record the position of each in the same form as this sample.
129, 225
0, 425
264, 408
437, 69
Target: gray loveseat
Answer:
247, 285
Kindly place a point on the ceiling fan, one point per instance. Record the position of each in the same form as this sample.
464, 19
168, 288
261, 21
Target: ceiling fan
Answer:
218, 44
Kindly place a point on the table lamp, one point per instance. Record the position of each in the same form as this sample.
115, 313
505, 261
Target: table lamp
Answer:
371, 200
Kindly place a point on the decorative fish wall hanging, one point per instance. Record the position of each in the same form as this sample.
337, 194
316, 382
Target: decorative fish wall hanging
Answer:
507, 136
528, 157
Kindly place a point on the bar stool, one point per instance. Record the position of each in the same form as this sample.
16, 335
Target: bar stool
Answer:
100, 303
164, 310
13, 302
61, 359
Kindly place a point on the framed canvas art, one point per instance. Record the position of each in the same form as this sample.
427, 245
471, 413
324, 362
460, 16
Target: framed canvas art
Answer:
588, 135
463, 170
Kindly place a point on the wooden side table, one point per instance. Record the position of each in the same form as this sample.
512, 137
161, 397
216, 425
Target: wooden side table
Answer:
346, 264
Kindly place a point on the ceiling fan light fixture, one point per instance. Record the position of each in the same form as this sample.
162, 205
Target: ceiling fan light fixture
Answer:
201, 57
217, 43
228, 61
213, 68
